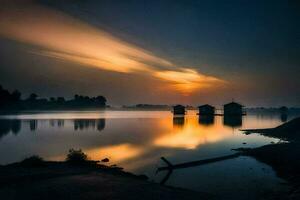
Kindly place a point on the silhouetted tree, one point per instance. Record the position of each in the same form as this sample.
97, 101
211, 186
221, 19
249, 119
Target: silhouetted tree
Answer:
87, 98
16, 95
13, 101
4, 96
61, 100
101, 100
32, 97
52, 99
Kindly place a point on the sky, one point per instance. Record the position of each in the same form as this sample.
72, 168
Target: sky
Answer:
158, 52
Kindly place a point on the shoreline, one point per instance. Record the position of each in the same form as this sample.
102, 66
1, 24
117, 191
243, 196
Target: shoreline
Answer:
282, 157
62, 180
284, 160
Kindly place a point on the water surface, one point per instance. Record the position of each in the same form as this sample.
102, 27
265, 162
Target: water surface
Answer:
135, 140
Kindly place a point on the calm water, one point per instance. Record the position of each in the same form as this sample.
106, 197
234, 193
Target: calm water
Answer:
136, 140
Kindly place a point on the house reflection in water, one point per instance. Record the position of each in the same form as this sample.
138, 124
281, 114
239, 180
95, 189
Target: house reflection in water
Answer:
283, 117
191, 134
234, 121
85, 124
178, 121
283, 113
206, 120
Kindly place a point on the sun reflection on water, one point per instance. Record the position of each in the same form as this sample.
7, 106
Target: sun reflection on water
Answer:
188, 133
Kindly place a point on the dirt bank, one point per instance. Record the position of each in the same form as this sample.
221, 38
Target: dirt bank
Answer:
59, 180
283, 157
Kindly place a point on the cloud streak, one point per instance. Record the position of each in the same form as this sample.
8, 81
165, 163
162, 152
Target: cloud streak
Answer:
63, 37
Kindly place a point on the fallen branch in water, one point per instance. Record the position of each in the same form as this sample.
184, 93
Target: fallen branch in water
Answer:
196, 163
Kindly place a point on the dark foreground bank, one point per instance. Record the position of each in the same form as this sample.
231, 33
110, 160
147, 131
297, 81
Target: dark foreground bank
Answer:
284, 157
62, 180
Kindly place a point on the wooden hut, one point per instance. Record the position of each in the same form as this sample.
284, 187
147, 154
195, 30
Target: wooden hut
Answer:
178, 110
233, 108
206, 110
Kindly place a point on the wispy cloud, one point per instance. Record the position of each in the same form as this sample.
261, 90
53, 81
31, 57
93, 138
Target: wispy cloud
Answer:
63, 37
188, 80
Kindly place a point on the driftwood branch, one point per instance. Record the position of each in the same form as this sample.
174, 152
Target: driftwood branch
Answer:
195, 163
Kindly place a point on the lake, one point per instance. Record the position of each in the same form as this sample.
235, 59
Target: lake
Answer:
135, 140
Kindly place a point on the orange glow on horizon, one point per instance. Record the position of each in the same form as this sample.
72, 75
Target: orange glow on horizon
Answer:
188, 80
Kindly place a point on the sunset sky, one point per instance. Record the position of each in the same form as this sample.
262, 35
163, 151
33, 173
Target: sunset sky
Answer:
160, 52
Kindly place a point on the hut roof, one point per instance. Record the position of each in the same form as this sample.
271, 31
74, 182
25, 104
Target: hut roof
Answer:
206, 105
233, 104
178, 106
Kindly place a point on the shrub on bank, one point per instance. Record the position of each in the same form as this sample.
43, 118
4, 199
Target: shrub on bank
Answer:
33, 161
76, 157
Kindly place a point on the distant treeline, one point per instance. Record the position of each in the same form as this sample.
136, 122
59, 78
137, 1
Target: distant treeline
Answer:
147, 106
12, 101
271, 110
155, 107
